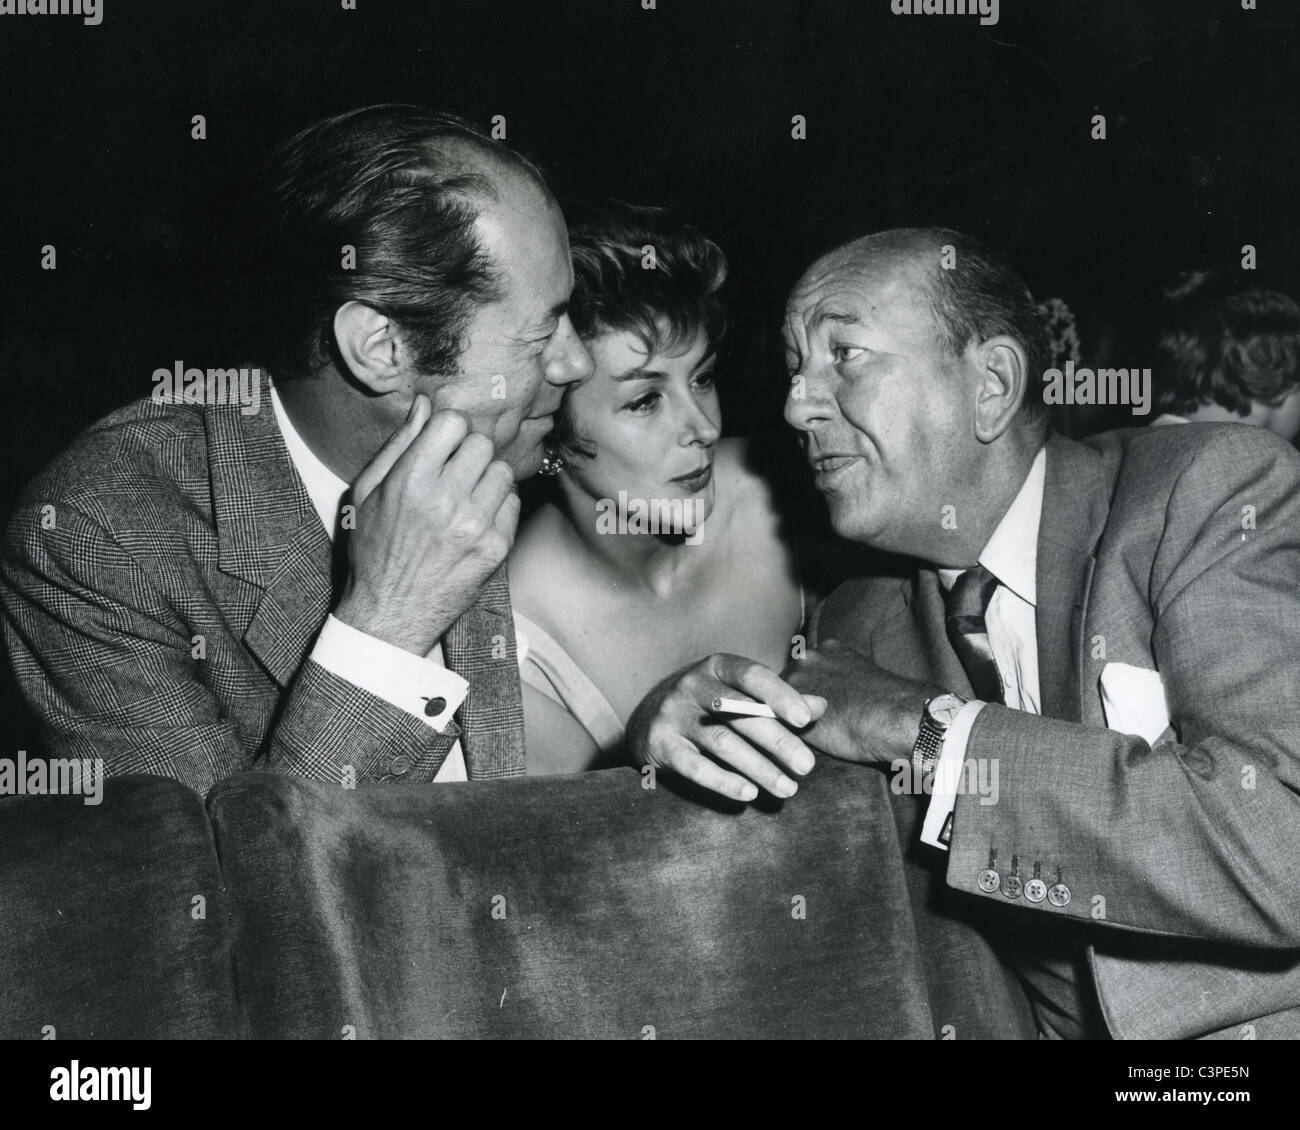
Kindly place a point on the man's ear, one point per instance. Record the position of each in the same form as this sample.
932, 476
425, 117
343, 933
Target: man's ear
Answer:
1004, 383
371, 347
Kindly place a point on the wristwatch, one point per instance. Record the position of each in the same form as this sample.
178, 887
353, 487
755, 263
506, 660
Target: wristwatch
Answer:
937, 716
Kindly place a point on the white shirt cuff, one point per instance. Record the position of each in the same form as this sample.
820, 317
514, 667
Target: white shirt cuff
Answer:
407, 681
948, 775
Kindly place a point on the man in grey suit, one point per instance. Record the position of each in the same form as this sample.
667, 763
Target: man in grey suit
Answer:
1108, 630
171, 600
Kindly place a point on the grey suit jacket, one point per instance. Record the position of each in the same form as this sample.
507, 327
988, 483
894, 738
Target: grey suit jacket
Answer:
163, 582
1175, 550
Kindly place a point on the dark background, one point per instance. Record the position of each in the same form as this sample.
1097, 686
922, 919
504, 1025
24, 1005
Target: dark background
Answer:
911, 119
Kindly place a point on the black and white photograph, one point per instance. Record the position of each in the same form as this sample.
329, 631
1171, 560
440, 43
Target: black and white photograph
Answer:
650, 520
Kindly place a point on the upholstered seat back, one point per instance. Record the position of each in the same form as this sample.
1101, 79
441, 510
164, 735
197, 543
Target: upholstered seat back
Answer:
583, 906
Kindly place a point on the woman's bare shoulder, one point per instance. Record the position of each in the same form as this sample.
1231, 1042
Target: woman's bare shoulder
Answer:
539, 555
749, 484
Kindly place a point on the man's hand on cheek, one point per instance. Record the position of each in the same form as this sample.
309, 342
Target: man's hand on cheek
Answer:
872, 716
674, 728
436, 513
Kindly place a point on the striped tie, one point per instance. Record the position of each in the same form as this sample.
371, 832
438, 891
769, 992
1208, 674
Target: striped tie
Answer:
966, 604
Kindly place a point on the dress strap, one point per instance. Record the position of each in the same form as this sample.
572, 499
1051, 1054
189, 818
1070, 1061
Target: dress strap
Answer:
798, 577
546, 667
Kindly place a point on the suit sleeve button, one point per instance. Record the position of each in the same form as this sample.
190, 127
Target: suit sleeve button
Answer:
400, 765
1035, 890
1059, 895
988, 881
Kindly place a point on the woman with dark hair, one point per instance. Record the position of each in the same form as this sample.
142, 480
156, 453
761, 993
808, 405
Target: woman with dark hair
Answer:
658, 544
1229, 350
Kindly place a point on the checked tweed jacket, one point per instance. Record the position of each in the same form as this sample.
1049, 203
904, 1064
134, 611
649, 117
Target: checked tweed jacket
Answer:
163, 583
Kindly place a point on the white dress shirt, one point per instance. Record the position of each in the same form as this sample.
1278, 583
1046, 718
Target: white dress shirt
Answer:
1011, 555
397, 676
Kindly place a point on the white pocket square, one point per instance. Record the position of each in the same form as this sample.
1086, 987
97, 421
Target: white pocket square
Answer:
1134, 701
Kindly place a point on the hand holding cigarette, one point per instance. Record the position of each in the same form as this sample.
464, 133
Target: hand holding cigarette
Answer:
730, 725
742, 706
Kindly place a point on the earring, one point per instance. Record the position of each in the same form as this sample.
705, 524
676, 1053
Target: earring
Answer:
552, 462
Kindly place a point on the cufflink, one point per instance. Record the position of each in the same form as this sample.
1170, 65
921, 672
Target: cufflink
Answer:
434, 706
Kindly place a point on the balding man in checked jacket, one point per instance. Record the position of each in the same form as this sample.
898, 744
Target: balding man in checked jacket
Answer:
310, 580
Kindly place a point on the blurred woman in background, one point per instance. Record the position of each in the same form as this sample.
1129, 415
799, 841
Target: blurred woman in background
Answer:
1229, 350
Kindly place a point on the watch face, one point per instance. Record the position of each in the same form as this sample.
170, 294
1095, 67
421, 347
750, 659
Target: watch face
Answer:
943, 708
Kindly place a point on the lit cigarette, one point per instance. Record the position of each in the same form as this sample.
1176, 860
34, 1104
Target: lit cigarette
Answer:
742, 706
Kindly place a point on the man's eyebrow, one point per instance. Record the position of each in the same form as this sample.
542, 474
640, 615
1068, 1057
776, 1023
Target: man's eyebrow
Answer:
554, 314
839, 316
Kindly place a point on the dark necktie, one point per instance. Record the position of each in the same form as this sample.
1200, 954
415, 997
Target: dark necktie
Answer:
966, 605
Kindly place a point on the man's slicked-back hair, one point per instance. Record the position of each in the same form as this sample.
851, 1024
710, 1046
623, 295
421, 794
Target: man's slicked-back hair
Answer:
1227, 341
403, 186
980, 297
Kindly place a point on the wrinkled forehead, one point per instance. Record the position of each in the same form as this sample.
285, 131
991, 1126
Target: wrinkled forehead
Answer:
851, 286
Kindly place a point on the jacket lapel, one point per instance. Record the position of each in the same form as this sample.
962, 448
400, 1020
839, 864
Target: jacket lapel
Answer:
1073, 516
480, 647
943, 668
268, 534
1075, 505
